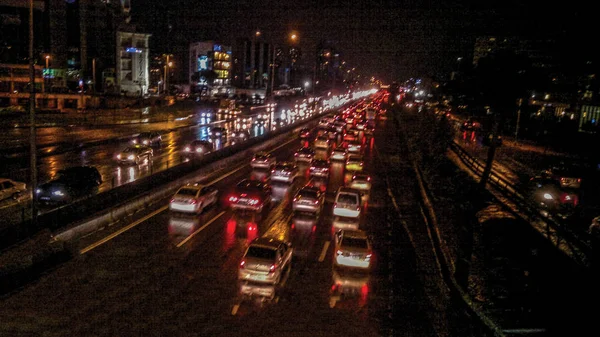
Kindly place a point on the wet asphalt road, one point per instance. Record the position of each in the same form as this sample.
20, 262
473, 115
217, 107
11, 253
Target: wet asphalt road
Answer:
177, 275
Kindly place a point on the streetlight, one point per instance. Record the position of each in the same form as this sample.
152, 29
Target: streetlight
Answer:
47, 57
168, 65
293, 37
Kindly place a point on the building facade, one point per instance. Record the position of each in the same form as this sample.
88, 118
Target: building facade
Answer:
251, 64
210, 68
132, 70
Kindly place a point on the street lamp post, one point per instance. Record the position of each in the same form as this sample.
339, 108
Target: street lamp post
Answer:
47, 57
167, 65
32, 130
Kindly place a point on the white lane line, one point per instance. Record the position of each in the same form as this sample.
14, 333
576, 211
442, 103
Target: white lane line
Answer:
122, 230
200, 229
234, 310
137, 222
324, 251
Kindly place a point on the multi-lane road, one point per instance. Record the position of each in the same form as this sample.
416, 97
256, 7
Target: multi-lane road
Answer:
164, 273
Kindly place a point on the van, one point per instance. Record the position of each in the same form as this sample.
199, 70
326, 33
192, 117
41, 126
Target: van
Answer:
347, 203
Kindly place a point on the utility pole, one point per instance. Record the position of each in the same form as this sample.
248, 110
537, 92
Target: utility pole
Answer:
520, 102
272, 74
94, 73
32, 131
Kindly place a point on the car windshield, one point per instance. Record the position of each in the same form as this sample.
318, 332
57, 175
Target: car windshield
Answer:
261, 156
320, 163
308, 194
355, 242
187, 191
284, 167
354, 159
261, 253
129, 150
346, 198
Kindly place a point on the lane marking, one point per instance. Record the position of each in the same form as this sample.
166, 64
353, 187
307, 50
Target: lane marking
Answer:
200, 229
324, 251
160, 210
122, 230
234, 310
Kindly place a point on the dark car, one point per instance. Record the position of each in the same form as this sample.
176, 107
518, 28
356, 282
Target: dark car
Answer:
305, 133
198, 147
218, 132
566, 174
250, 195
240, 135
550, 196
148, 138
71, 183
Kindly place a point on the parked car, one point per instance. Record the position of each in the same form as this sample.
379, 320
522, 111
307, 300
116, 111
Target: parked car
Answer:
309, 199
319, 168
194, 198
71, 183
285, 171
347, 202
198, 147
263, 160
135, 154
148, 138
305, 154
266, 260
11, 189
250, 195
352, 249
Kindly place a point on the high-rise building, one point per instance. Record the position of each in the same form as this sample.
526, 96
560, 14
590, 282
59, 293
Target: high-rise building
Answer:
252, 62
14, 31
210, 66
132, 75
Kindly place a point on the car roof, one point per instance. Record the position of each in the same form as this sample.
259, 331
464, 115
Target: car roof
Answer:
266, 242
354, 233
355, 157
361, 176
344, 189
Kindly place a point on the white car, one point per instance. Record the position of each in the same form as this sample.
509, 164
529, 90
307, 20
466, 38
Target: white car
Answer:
11, 189
361, 182
339, 153
266, 260
263, 160
193, 198
353, 249
347, 203
285, 171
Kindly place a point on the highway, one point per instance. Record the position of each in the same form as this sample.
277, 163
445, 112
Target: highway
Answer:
167, 274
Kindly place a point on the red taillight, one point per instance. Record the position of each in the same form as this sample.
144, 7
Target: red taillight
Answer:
334, 204
316, 202
172, 200
339, 252
243, 264
368, 178
272, 268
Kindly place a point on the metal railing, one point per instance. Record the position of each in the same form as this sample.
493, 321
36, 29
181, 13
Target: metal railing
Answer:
573, 243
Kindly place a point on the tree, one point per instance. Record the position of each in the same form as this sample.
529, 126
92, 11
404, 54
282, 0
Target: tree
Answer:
501, 79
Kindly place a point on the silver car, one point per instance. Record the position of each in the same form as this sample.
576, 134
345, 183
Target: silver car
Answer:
135, 154
309, 199
339, 153
305, 154
286, 172
263, 160
193, 198
266, 260
322, 142
353, 249
11, 189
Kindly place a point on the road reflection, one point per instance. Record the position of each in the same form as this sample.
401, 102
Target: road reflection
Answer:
349, 285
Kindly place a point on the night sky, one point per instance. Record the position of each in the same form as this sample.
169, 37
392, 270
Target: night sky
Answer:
392, 40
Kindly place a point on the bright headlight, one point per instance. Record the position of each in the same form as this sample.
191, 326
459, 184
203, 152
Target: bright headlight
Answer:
130, 157
38, 191
58, 192
187, 149
145, 142
548, 196
119, 156
199, 149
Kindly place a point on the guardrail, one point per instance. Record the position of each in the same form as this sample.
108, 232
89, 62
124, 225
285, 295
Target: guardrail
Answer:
99, 203
556, 232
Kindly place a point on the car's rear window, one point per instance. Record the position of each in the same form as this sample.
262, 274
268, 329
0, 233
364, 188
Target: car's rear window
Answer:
187, 191
283, 167
347, 198
261, 253
261, 156
355, 242
306, 193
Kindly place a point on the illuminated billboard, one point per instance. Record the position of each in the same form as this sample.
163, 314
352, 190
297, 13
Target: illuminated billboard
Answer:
203, 62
